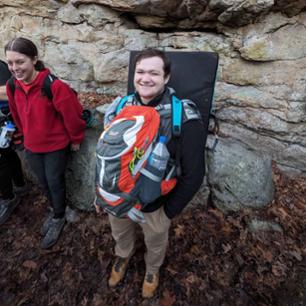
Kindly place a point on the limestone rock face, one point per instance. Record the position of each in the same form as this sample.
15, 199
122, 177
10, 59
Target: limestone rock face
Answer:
260, 93
193, 13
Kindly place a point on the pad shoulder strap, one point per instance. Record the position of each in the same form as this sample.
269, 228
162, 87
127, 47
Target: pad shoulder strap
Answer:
182, 111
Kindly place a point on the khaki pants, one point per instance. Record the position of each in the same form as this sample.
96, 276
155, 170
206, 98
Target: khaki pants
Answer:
155, 231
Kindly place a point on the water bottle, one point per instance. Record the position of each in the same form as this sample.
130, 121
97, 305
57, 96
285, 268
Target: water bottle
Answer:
160, 155
153, 173
6, 134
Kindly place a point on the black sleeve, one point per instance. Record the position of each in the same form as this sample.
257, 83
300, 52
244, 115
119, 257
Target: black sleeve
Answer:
4, 73
192, 149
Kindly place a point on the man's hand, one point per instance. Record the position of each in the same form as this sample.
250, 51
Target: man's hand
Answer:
136, 215
97, 207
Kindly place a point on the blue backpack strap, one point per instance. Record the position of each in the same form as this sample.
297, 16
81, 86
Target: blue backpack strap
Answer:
123, 102
177, 112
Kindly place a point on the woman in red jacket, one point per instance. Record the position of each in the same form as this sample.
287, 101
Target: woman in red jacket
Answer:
49, 127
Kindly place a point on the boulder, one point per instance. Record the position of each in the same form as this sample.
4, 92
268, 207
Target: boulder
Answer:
238, 177
80, 173
201, 198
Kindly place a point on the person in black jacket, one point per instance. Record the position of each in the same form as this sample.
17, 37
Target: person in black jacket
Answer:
12, 183
152, 72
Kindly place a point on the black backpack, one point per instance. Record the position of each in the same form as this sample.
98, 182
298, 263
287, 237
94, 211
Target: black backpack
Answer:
5, 74
46, 87
46, 91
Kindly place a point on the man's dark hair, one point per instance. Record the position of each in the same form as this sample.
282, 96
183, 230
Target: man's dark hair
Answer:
148, 53
27, 47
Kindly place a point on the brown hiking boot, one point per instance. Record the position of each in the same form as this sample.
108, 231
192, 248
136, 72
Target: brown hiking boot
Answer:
118, 271
150, 284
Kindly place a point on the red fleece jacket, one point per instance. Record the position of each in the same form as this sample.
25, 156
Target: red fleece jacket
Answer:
47, 125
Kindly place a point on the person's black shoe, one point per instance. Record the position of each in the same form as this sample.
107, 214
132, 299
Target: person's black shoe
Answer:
53, 233
45, 227
7, 207
21, 190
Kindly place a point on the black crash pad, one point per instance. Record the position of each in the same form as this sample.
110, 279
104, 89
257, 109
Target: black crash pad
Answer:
193, 76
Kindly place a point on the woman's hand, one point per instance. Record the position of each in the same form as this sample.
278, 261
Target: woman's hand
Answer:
75, 147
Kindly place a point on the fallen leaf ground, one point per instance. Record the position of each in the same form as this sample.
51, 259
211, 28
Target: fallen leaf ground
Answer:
212, 259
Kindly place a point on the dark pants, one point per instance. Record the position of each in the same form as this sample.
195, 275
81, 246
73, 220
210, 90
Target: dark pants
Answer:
50, 171
10, 172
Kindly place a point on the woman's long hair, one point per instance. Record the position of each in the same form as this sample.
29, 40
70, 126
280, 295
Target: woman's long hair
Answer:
27, 47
